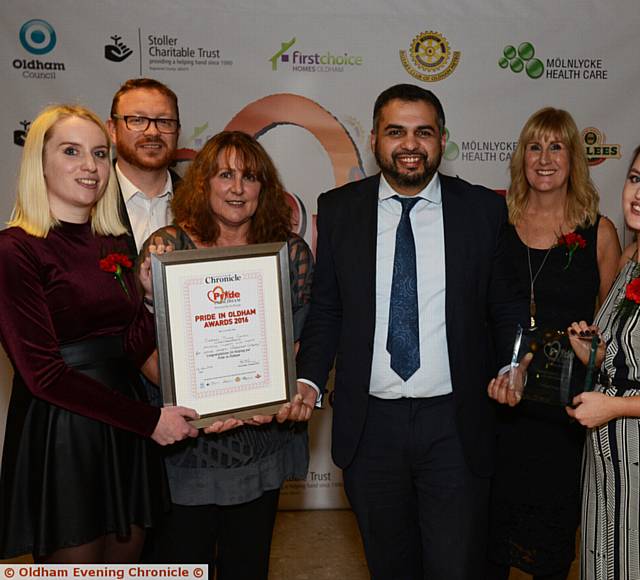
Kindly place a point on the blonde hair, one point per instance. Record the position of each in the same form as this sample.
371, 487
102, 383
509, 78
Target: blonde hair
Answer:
31, 211
582, 196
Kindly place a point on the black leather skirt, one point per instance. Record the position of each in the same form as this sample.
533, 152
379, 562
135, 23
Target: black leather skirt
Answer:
67, 479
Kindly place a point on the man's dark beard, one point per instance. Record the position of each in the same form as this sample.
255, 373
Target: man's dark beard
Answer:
413, 179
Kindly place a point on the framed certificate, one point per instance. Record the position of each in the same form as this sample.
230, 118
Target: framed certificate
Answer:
224, 330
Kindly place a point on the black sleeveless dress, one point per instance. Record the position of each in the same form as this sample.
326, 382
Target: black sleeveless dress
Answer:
535, 506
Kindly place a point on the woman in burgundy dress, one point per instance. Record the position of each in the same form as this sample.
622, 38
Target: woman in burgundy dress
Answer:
80, 478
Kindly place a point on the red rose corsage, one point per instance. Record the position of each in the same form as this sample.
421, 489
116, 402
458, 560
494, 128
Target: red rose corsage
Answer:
631, 301
572, 242
116, 263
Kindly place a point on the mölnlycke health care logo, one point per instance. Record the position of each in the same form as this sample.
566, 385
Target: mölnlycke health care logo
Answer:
524, 58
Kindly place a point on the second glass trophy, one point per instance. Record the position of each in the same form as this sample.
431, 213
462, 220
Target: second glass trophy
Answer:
549, 375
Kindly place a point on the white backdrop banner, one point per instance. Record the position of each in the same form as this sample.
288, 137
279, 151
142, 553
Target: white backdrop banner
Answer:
302, 76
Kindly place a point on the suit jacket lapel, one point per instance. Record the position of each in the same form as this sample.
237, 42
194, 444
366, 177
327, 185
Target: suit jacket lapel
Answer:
455, 250
361, 224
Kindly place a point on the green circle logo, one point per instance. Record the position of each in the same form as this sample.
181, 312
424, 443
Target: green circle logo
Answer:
521, 59
509, 51
517, 65
535, 68
526, 51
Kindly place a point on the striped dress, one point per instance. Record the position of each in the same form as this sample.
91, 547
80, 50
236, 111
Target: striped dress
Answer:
610, 548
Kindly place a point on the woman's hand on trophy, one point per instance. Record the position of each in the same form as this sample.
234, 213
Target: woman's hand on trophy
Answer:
580, 336
507, 387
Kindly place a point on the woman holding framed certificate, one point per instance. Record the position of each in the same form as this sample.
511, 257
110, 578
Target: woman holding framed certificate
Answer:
565, 255
80, 478
225, 486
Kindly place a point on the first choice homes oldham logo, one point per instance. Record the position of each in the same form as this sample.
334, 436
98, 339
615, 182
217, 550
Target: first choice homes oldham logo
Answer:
429, 57
37, 37
313, 62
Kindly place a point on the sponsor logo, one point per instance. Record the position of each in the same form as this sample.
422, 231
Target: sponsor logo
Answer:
168, 53
19, 135
223, 278
325, 61
117, 51
218, 295
429, 57
597, 148
451, 149
37, 36
282, 53
523, 58
488, 150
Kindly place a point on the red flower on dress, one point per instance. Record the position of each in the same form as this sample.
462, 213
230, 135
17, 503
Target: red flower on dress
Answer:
572, 241
631, 301
632, 293
115, 263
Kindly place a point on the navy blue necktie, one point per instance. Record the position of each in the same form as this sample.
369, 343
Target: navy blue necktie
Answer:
403, 340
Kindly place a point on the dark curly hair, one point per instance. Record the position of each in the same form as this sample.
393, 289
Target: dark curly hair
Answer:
191, 207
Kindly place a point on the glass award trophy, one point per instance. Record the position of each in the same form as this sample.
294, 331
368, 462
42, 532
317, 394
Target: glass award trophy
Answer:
549, 375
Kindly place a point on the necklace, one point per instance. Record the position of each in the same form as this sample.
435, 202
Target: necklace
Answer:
532, 281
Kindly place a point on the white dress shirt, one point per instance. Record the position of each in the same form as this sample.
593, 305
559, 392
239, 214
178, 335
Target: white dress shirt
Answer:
146, 214
433, 377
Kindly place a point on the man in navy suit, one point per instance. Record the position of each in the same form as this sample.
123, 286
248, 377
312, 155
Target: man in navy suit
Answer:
414, 299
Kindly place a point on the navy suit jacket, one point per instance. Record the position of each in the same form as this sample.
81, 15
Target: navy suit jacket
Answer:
484, 304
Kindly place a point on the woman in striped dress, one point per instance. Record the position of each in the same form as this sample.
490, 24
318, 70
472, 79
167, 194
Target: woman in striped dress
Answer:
610, 547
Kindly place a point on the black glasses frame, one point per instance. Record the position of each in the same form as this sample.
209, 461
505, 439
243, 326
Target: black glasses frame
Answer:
173, 128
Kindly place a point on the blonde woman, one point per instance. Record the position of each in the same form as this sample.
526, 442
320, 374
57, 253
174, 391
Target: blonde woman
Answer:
81, 478
566, 257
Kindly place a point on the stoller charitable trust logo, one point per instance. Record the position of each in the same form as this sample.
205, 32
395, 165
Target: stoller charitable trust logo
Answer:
19, 135
117, 51
429, 57
597, 148
315, 62
38, 38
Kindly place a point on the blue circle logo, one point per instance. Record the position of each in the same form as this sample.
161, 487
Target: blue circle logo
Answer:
37, 36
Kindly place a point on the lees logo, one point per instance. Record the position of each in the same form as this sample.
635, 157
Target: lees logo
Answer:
218, 295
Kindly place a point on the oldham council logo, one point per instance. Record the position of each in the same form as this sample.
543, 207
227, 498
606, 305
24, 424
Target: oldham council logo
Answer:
429, 57
37, 36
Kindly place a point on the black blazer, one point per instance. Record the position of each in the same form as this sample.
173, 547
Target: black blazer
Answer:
124, 214
484, 303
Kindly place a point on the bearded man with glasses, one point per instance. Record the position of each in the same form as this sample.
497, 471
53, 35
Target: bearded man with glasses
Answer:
145, 126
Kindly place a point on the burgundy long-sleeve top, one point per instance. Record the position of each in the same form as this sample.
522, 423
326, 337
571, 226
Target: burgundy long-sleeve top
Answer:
53, 292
